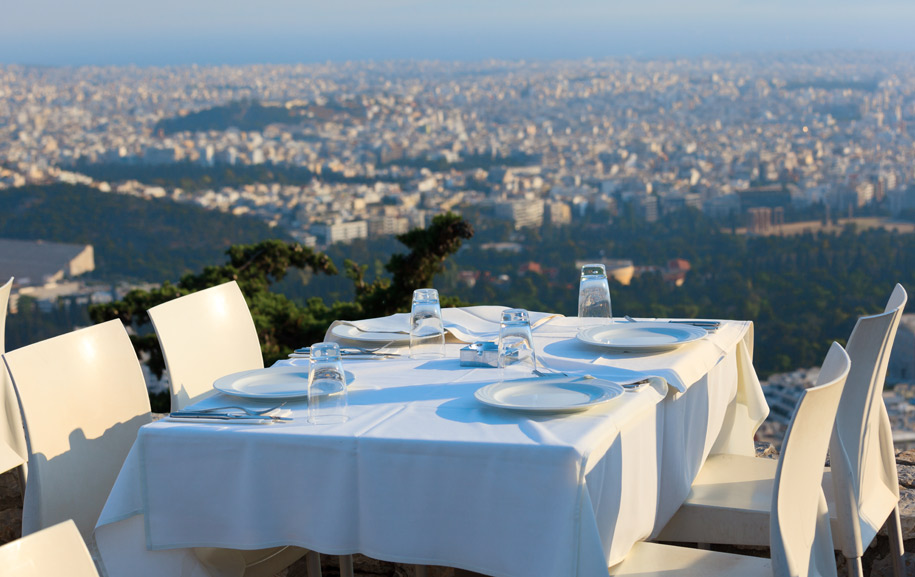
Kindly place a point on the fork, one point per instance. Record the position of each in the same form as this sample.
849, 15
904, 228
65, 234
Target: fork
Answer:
554, 373
349, 351
246, 410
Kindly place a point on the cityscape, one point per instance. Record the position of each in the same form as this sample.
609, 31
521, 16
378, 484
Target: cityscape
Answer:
389, 144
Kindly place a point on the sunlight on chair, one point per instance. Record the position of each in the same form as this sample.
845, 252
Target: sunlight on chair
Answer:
57, 550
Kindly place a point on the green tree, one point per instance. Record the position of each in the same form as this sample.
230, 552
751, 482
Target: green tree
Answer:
282, 324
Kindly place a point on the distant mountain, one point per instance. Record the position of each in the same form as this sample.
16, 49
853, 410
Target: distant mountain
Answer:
134, 239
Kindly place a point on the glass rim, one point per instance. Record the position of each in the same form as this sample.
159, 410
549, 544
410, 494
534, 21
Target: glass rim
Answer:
516, 316
425, 294
592, 269
325, 350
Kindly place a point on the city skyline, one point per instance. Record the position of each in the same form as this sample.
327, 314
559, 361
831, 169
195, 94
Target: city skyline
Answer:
105, 32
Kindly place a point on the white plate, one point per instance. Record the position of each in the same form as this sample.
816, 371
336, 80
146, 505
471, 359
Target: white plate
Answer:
271, 383
351, 333
551, 395
641, 336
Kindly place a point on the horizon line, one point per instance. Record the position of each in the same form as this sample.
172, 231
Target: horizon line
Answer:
728, 55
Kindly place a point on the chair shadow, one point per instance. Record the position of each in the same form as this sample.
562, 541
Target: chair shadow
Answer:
75, 483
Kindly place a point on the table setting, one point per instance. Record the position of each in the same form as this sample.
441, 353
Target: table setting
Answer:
497, 440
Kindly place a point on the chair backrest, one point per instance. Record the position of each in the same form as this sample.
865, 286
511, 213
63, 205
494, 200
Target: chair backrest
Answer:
57, 550
83, 397
861, 451
799, 531
11, 433
205, 335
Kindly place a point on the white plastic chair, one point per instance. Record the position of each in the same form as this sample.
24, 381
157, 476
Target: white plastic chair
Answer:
800, 534
83, 398
728, 500
205, 335
57, 550
11, 432
863, 461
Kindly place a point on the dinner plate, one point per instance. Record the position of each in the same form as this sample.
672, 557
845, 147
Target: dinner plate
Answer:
271, 383
349, 332
551, 395
641, 336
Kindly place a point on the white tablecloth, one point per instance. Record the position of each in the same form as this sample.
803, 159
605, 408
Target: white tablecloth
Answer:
423, 473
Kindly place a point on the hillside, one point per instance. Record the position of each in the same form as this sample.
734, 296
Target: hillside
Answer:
252, 115
134, 239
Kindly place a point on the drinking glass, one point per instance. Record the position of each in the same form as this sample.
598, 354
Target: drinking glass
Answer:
326, 385
427, 333
516, 343
593, 297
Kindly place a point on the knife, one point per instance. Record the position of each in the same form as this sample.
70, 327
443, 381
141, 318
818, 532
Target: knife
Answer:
210, 415
347, 353
707, 325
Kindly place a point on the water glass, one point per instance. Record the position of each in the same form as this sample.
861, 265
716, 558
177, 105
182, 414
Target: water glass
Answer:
427, 332
326, 385
516, 343
593, 297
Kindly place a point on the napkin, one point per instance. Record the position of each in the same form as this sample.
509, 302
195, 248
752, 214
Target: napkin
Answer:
470, 324
466, 324
396, 323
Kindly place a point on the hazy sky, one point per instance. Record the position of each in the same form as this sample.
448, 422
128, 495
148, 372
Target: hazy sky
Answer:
74, 32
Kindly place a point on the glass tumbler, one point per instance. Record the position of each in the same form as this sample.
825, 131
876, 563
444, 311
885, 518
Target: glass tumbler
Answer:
427, 332
326, 385
593, 297
516, 343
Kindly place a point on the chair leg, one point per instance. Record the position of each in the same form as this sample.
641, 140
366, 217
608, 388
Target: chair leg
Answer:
897, 548
313, 564
855, 569
346, 566
420, 570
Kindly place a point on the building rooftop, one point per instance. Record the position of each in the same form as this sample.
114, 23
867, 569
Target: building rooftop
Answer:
36, 262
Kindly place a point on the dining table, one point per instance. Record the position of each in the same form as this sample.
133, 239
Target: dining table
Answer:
425, 472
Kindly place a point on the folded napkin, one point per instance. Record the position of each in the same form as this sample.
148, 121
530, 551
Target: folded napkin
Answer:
466, 324
396, 323
473, 324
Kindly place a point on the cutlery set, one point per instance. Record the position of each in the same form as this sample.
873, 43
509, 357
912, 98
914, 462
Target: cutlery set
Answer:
637, 385
355, 353
232, 413
710, 326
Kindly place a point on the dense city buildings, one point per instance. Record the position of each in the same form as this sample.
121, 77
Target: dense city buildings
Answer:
341, 151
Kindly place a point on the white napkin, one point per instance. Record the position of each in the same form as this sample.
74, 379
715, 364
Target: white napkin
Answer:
481, 323
467, 324
396, 323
